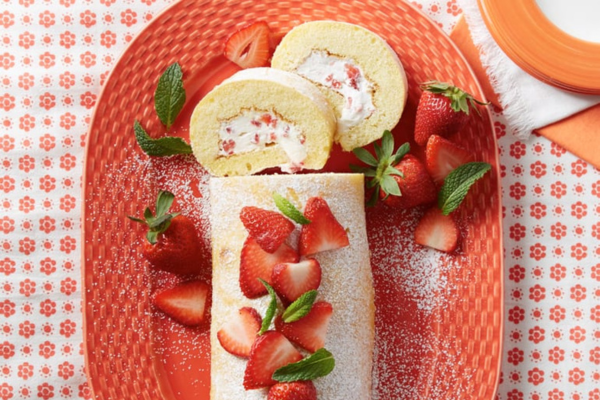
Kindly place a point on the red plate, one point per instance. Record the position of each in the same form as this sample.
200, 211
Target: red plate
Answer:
439, 318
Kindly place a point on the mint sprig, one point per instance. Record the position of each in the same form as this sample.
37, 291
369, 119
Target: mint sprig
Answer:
319, 364
299, 308
289, 210
457, 185
271, 309
169, 96
380, 171
161, 147
162, 220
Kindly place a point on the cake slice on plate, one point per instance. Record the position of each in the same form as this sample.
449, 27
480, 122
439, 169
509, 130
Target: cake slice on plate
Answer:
359, 73
261, 118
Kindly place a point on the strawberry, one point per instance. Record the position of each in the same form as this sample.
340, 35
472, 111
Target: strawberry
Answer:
309, 331
300, 390
324, 232
442, 157
437, 231
186, 303
291, 280
270, 351
239, 333
173, 244
256, 263
250, 46
268, 228
416, 186
443, 110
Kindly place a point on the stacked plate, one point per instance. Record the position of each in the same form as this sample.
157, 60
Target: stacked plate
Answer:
543, 49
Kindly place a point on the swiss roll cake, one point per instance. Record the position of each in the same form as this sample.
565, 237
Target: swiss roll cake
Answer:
345, 282
261, 118
358, 72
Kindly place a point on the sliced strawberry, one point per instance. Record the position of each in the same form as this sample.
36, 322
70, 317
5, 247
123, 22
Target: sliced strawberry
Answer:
324, 232
416, 186
256, 263
185, 303
442, 157
437, 231
250, 47
309, 331
291, 280
270, 351
239, 333
268, 228
299, 390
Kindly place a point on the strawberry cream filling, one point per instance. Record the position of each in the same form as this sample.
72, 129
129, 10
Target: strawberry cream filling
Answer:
255, 130
343, 76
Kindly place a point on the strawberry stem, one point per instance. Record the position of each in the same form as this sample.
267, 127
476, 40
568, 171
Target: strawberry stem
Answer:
160, 222
459, 99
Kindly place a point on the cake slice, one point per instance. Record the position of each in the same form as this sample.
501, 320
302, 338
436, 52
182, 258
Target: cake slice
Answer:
345, 283
261, 118
359, 73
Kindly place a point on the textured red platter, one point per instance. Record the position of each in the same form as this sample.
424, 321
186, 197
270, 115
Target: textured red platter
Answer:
439, 318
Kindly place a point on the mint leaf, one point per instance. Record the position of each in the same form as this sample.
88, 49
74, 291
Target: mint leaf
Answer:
161, 147
266, 323
169, 96
319, 364
289, 210
457, 185
300, 307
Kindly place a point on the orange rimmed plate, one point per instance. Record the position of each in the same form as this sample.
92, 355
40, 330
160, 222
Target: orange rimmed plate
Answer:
540, 48
439, 318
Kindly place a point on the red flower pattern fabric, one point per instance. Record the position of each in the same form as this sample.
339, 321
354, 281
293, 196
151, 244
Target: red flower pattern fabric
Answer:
55, 54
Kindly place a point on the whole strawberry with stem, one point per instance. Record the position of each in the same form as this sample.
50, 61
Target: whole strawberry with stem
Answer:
443, 110
398, 179
172, 243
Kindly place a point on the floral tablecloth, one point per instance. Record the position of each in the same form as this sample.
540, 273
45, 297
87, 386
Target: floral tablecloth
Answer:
54, 56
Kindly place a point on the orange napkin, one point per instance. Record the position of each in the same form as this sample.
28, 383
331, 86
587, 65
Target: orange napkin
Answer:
579, 133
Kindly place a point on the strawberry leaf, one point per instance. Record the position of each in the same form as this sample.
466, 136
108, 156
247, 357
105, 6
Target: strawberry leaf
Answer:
457, 185
161, 147
317, 365
390, 186
364, 156
299, 308
169, 96
387, 145
160, 222
289, 210
401, 152
266, 323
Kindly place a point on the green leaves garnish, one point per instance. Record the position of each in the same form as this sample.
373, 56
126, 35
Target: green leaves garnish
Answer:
300, 307
162, 220
457, 184
380, 171
169, 96
266, 323
319, 364
289, 210
161, 147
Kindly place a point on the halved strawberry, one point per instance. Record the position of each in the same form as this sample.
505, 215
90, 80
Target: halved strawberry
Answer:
256, 263
270, 351
442, 157
250, 46
238, 334
324, 232
268, 228
309, 331
185, 303
299, 390
291, 280
437, 231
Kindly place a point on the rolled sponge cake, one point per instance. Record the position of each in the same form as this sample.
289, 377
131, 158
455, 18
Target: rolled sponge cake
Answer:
346, 279
359, 73
261, 118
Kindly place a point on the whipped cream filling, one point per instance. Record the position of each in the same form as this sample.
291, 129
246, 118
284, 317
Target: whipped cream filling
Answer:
255, 130
344, 77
